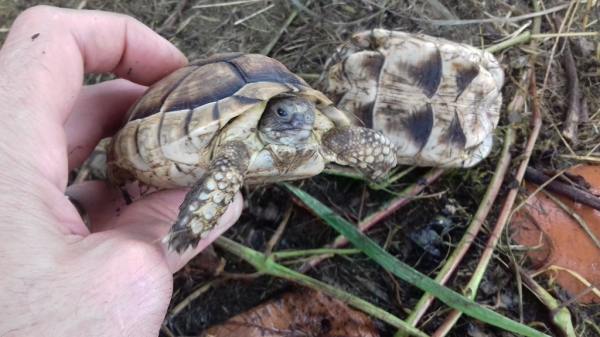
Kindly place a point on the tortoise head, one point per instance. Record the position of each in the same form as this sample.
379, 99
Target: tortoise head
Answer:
288, 120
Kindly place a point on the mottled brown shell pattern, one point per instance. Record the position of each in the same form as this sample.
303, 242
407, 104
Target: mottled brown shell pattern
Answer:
437, 100
166, 141
199, 127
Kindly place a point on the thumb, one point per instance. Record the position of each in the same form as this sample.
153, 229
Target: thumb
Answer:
147, 219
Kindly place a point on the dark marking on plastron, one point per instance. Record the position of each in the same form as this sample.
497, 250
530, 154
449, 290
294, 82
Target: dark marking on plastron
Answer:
455, 134
464, 76
372, 40
372, 64
393, 116
343, 70
420, 124
216, 113
187, 121
427, 74
178, 168
35, 36
336, 97
365, 114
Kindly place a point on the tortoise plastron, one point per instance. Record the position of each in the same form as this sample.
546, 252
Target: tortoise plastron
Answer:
438, 101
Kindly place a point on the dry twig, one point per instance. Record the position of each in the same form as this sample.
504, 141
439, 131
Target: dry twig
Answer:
504, 216
561, 317
279, 232
515, 107
578, 218
577, 112
472, 231
227, 3
499, 20
443, 10
576, 194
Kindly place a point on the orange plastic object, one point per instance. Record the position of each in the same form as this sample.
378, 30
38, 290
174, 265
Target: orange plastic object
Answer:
556, 239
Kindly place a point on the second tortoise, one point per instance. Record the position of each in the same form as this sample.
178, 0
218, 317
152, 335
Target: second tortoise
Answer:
437, 100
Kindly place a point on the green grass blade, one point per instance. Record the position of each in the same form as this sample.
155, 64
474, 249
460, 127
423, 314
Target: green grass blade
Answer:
266, 265
408, 274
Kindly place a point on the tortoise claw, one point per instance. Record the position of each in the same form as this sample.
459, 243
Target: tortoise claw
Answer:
209, 198
181, 240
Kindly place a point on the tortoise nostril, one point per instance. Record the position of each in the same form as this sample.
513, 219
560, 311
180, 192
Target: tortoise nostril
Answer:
298, 121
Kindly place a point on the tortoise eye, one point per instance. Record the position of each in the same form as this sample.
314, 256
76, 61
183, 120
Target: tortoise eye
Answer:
281, 112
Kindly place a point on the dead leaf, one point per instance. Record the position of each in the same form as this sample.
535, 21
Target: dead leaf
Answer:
299, 313
557, 240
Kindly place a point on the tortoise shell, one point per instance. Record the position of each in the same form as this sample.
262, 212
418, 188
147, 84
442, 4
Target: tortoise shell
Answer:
437, 100
212, 91
172, 125
232, 120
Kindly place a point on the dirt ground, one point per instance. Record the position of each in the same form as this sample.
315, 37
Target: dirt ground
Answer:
303, 35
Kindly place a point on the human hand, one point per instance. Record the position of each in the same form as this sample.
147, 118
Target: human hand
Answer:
58, 278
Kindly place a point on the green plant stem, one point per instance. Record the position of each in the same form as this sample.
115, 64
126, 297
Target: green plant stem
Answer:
344, 173
353, 174
392, 179
593, 325
266, 265
582, 158
408, 274
308, 252
386, 209
473, 285
190, 298
471, 232
561, 317
519, 39
505, 212
504, 216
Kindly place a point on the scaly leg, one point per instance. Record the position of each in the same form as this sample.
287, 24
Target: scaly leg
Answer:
362, 148
209, 198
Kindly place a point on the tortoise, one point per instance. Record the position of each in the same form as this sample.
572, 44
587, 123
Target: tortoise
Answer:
232, 119
438, 101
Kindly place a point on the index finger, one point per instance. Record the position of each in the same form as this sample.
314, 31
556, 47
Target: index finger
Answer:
42, 64
49, 49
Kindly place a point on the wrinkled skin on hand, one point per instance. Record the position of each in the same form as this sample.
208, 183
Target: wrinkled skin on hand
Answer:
58, 277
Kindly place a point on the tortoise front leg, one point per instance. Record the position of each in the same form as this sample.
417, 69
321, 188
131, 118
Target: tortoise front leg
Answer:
210, 196
362, 148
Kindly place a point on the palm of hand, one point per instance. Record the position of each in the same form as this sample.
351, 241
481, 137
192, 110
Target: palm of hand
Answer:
58, 278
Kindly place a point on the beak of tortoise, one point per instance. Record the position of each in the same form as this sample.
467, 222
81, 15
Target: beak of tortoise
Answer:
297, 121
